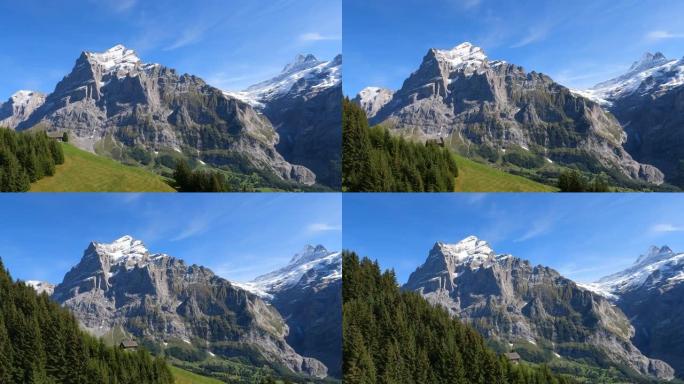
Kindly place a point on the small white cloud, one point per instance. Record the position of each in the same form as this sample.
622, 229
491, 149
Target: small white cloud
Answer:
537, 228
662, 35
315, 36
322, 227
468, 4
665, 228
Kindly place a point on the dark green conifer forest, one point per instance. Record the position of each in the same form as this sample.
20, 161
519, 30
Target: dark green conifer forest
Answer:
41, 343
373, 160
25, 158
395, 337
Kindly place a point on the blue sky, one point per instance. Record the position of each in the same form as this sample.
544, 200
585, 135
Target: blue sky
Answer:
578, 43
229, 43
583, 236
238, 236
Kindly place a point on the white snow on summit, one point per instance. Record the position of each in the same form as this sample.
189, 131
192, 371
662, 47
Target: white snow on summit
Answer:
462, 56
114, 59
315, 261
469, 250
372, 99
322, 74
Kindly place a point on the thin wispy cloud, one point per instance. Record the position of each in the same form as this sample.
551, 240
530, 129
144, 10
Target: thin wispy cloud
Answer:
537, 228
666, 228
196, 226
315, 36
123, 5
322, 227
663, 35
534, 35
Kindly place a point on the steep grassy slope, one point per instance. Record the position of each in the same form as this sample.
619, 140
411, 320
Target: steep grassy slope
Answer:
85, 172
184, 377
477, 177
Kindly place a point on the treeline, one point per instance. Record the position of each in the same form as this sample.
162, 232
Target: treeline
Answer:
41, 343
573, 181
188, 180
26, 157
375, 161
395, 337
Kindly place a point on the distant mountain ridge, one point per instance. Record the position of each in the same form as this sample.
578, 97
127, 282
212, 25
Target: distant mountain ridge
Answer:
651, 293
308, 293
491, 108
646, 100
525, 307
304, 104
114, 104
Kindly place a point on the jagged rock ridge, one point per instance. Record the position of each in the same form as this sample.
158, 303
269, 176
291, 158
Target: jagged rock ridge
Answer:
112, 102
158, 298
470, 101
511, 301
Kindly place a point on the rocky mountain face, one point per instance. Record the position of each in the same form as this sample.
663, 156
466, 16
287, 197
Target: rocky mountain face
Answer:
372, 99
304, 104
308, 293
529, 307
112, 102
19, 107
492, 106
648, 100
651, 294
158, 298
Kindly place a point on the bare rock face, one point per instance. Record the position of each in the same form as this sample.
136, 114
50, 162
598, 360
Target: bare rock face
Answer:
510, 301
304, 103
156, 297
19, 107
372, 99
468, 100
113, 99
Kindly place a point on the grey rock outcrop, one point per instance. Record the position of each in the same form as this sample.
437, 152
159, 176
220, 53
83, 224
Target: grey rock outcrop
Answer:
19, 107
112, 101
157, 298
510, 301
372, 99
470, 101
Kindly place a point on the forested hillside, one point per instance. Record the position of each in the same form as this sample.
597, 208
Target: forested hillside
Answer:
375, 161
41, 343
397, 337
25, 158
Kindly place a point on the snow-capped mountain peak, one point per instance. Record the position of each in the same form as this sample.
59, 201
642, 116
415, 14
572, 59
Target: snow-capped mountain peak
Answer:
306, 72
311, 264
123, 248
114, 59
372, 99
658, 267
23, 97
301, 62
464, 55
653, 72
467, 250
648, 60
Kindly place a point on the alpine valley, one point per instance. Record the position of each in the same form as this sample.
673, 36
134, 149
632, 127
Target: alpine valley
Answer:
544, 317
286, 136
623, 132
285, 324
